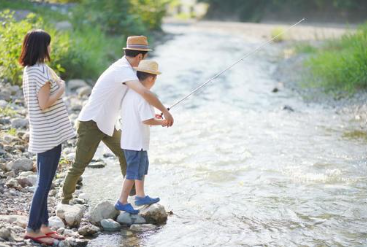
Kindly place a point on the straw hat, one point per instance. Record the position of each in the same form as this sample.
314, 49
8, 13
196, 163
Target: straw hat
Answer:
137, 43
150, 67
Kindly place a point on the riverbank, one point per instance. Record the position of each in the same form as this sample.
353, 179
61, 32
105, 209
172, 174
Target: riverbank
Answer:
18, 176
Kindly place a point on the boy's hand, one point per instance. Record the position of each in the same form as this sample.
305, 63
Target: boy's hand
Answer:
164, 123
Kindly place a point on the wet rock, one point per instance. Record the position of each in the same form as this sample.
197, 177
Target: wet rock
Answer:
20, 164
5, 233
288, 108
72, 214
19, 123
84, 91
88, 230
275, 90
19, 220
110, 225
129, 219
75, 84
143, 228
154, 214
56, 223
103, 210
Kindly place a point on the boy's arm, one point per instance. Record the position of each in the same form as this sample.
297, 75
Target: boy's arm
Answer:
154, 121
151, 99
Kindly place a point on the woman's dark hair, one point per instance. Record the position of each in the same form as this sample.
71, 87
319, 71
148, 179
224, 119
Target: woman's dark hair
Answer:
34, 48
142, 75
133, 53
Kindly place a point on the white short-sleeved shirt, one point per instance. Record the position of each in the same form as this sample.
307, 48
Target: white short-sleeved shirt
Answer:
50, 127
105, 100
135, 109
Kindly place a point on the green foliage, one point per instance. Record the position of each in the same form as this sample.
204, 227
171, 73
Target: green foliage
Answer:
304, 47
11, 36
7, 111
12, 132
121, 17
342, 64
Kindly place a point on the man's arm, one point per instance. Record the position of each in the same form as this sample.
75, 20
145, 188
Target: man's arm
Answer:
151, 99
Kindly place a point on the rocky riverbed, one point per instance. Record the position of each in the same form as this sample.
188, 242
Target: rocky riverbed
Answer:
18, 177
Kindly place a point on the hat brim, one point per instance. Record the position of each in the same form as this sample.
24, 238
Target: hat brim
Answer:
148, 71
137, 49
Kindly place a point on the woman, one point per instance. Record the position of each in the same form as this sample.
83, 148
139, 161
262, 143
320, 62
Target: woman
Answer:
49, 127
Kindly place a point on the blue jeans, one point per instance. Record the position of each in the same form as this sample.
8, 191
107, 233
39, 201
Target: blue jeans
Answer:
47, 163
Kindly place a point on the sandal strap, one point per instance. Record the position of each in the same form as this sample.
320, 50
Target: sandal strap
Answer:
50, 233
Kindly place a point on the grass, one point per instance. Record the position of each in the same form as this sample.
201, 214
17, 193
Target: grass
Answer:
305, 47
341, 64
12, 132
7, 111
278, 34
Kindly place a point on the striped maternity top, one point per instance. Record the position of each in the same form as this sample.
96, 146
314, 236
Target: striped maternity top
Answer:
50, 127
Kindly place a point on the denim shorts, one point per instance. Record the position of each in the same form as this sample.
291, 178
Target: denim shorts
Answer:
137, 164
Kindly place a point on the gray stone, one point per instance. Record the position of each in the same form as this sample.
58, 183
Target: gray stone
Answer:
100, 164
138, 219
72, 214
72, 242
63, 25
75, 84
84, 91
125, 218
56, 223
5, 233
142, 228
19, 123
26, 179
154, 214
19, 220
88, 230
13, 183
76, 107
20, 164
3, 103
110, 225
103, 210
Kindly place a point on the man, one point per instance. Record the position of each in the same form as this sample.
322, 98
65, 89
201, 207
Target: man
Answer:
98, 117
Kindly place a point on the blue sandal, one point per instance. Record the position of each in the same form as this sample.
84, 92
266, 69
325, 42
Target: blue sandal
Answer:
140, 201
126, 207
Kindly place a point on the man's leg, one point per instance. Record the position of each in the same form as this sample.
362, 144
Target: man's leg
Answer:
114, 144
89, 137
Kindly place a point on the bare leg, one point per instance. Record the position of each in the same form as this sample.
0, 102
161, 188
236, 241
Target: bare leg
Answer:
139, 184
126, 187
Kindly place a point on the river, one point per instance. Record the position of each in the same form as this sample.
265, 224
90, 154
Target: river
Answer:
238, 168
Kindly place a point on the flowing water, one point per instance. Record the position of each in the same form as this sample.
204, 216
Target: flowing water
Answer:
237, 169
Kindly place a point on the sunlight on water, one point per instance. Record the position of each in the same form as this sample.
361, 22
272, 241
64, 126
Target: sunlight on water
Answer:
236, 169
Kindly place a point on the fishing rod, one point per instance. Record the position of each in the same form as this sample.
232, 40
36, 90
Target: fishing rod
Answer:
222, 72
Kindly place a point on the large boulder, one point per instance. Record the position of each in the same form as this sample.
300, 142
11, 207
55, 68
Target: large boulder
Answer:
71, 214
20, 165
154, 214
103, 210
19, 123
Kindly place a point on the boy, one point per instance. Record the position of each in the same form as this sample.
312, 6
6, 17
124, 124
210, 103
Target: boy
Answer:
137, 116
